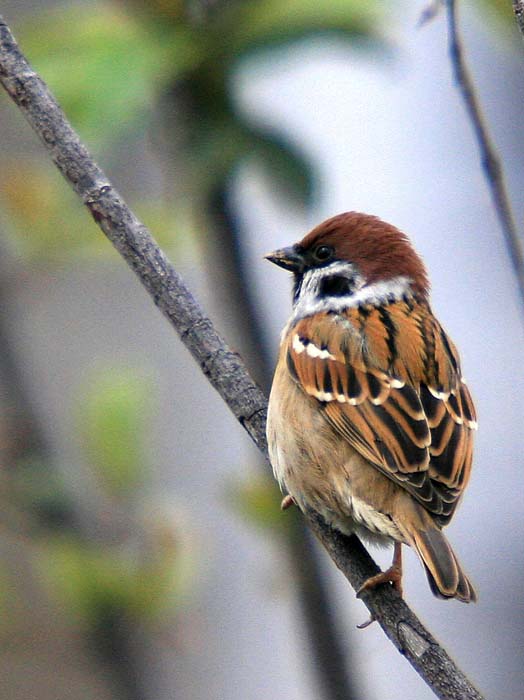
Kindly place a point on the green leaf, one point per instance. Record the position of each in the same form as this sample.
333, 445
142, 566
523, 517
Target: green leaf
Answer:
104, 65
46, 220
501, 9
46, 223
257, 500
267, 23
215, 148
114, 409
94, 578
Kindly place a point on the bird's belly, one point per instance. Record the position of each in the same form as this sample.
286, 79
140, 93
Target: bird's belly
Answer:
323, 472
365, 521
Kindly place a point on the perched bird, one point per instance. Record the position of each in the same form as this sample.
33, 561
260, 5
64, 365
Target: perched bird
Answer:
370, 422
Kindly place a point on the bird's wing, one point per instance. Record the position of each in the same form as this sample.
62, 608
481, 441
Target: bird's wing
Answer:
388, 380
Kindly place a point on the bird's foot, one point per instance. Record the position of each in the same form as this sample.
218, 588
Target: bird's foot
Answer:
392, 575
287, 502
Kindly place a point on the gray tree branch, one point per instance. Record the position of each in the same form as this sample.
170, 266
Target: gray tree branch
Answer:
331, 655
223, 368
491, 163
518, 9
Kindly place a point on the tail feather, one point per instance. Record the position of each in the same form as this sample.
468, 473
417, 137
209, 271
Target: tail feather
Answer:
445, 575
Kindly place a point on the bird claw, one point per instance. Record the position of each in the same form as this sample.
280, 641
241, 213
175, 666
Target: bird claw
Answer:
287, 502
367, 623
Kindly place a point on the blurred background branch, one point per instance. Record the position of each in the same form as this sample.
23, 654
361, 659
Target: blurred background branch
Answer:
491, 163
43, 518
82, 547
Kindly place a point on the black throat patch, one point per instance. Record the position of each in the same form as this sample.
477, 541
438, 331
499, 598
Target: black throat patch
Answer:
297, 285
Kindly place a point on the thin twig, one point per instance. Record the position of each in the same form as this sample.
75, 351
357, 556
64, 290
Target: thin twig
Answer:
491, 163
223, 368
518, 9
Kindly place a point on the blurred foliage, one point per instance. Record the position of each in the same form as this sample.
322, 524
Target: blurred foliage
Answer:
257, 500
141, 562
38, 493
48, 218
213, 136
113, 415
112, 64
104, 69
6, 591
12, 604
48, 223
498, 13
502, 9
125, 555
139, 581
269, 23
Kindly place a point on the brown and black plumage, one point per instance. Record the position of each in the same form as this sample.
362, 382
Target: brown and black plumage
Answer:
371, 422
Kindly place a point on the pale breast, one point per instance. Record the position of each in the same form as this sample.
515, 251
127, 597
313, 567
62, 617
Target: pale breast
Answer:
321, 470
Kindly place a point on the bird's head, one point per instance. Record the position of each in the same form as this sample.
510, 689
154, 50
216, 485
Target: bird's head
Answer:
352, 259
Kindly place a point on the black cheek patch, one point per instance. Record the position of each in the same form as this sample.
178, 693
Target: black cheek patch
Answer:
336, 286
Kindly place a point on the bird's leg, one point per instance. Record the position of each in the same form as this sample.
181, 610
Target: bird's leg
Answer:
392, 575
287, 502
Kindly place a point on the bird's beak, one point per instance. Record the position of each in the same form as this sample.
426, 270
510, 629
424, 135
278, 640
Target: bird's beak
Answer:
289, 258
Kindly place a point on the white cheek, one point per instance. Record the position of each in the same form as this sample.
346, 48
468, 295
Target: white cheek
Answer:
310, 303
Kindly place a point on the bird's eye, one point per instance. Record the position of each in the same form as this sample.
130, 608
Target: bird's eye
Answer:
323, 253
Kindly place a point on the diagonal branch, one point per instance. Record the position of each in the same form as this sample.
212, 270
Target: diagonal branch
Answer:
518, 9
491, 163
223, 368
330, 653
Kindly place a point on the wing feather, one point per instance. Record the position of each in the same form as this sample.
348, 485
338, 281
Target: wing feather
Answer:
388, 380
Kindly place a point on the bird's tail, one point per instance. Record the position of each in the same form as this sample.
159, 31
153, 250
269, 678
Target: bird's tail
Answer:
445, 575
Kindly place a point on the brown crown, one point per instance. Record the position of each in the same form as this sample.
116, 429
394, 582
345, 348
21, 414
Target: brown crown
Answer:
379, 249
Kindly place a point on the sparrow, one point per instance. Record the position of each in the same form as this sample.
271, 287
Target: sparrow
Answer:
370, 421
